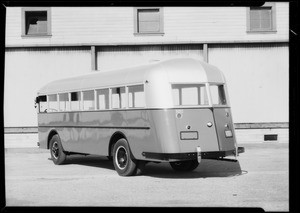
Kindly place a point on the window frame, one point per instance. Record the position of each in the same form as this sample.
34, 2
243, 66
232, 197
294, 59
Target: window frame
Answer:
198, 84
225, 98
35, 9
45, 103
273, 29
83, 100
133, 103
108, 103
48, 103
79, 99
121, 101
68, 106
95, 104
161, 22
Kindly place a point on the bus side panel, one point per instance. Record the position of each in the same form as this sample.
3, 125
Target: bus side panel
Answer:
90, 132
79, 131
141, 134
85, 140
43, 132
164, 123
43, 137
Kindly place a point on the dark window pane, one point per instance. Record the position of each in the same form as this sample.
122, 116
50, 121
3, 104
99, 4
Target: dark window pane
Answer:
35, 22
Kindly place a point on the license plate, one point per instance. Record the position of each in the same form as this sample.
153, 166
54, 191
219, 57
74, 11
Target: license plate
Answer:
228, 133
189, 135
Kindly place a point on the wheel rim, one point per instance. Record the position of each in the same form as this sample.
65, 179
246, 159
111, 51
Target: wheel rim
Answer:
121, 157
55, 150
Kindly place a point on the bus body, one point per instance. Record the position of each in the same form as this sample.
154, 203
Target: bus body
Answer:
174, 111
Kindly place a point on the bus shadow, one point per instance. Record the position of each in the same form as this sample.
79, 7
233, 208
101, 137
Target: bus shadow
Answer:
206, 169
90, 160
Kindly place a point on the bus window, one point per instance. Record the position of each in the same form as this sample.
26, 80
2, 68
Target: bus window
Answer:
217, 94
53, 105
118, 99
75, 100
64, 103
189, 94
102, 97
136, 96
43, 103
203, 95
88, 100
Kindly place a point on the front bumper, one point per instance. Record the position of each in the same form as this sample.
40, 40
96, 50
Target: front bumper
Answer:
190, 155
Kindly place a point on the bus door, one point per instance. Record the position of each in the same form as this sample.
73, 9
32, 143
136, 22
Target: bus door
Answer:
196, 128
224, 128
222, 117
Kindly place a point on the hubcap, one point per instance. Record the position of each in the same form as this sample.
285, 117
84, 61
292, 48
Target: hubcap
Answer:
55, 150
121, 157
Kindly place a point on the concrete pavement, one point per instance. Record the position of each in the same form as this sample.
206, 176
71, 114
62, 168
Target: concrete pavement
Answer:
258, 179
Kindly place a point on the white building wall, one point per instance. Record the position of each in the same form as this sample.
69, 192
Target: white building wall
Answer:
257, 74
258, 80
109, 58
115, 25
27, 70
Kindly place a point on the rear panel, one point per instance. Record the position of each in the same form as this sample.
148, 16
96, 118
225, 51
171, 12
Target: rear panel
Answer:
194, 129
182, 130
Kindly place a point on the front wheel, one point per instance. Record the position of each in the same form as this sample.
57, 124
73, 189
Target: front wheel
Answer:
123, 163
184, 166
56, 150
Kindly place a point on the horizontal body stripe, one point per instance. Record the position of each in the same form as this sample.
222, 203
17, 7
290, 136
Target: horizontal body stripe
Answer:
99, 127
138, 109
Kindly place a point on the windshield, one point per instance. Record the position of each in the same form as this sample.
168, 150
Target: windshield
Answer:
189, 94
217, 94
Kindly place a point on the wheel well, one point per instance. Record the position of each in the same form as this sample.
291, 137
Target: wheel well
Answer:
51, 134
114, 138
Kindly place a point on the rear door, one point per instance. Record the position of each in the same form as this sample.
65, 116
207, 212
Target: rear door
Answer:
224, 127
194, 129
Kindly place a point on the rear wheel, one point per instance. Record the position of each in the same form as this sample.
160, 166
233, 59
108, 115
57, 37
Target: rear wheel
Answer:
56, 150
184, 166
123, 163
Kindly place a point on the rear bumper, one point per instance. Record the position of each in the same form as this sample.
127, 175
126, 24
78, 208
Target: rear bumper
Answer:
190, 155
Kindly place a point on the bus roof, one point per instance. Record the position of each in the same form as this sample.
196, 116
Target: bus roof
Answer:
183, 70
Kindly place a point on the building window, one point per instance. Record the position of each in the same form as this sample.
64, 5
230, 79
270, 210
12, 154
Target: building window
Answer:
261, 19
148, 21
36, 22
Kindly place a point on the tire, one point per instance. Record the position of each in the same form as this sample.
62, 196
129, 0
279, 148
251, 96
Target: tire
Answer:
184, 166
123, 163
56, 151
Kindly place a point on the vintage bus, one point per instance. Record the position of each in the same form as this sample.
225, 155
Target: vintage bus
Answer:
174, 111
